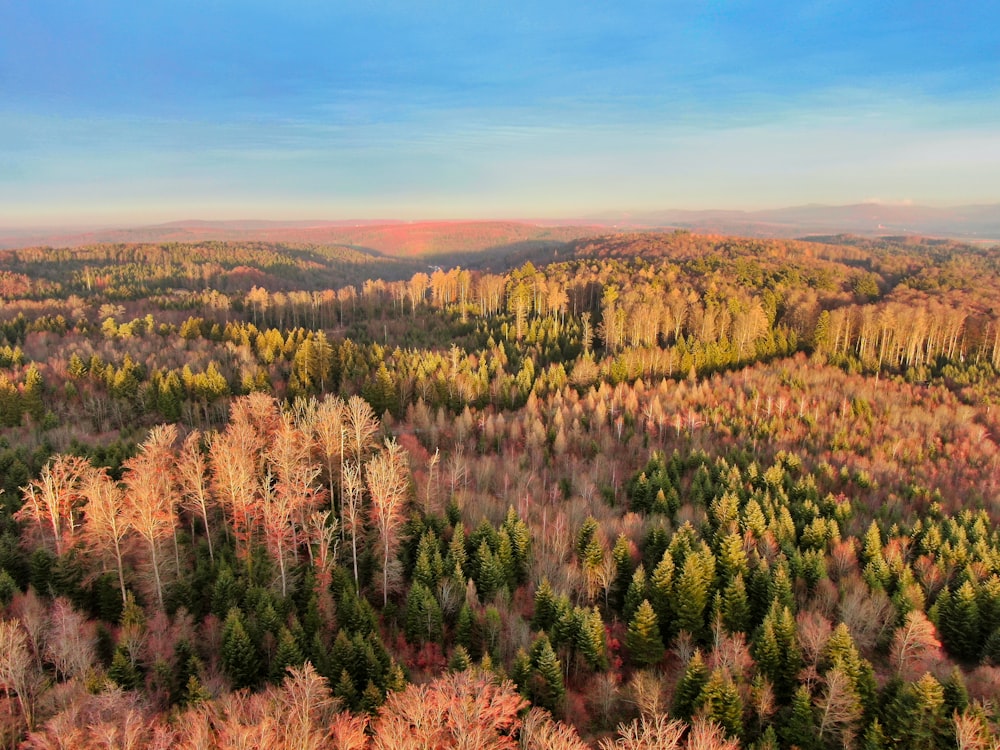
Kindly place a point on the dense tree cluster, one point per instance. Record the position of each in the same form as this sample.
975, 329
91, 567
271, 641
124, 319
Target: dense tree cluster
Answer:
683, 491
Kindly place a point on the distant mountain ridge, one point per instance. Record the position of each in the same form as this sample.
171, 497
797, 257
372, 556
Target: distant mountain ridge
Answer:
974, 223
395, 238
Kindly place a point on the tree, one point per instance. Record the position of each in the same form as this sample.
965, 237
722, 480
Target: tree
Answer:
387, 480
193, 479
329, 433
687, 695
546, 683
287, 500
18, 673
149, 494
352, 508
239, 655
643, 638
839, 708
53, 500
459, 709
914, 646
106, 521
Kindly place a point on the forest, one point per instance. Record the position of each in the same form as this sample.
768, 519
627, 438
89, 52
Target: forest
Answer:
636, 490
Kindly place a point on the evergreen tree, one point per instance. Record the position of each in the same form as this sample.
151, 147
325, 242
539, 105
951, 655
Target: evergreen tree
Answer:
423, 615
123, 672
735, 606
643, 638
621, 553
721, 702
520, 542
491, 576
239, 655
346, 690
455, 560
776, 651
638, 589
460, 660
288, 654
546, 685
590, 639
692, 593
687, 694
661, 594
544, 616
799, 727
465, 630
429, 565
958, 622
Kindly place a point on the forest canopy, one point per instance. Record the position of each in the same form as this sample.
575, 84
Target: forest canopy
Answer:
626, 491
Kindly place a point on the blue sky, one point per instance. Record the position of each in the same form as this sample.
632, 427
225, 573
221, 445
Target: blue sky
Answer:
128, 112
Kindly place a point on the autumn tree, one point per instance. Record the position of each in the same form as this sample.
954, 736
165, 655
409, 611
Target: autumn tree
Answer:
107, 522
52, 502
387, 478
149, 495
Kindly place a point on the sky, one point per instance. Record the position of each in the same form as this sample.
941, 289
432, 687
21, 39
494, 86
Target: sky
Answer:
125, 112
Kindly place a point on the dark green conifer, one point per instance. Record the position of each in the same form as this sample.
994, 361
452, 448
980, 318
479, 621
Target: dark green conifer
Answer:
239, 655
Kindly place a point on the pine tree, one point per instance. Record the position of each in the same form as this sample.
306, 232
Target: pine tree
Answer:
346, 690
429, 565
732, 557
638, 589
799, 728
661, 594
621, 553
288, 654
491, 576
874, 737
520, 541
123, 672
465, 630
721, 702
546, 684
735, 606
775, 649
423, 615
590, 640
692, 592
958, 622
460, 660
455, 560
239, 655
544, 616
643, 638
688, 691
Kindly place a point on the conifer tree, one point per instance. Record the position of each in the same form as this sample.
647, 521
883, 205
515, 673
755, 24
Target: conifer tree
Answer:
661, 594
460, 660
239, 655
643, 638
958, 622
546, 684
691, 593
799, 727
288, 654
735, 606
544, 616
638, 589
721, 702
590, 639
687, 694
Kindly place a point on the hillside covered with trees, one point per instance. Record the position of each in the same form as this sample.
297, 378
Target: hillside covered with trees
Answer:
655, 490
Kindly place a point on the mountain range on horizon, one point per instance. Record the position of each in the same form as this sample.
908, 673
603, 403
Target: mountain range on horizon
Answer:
971, 223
